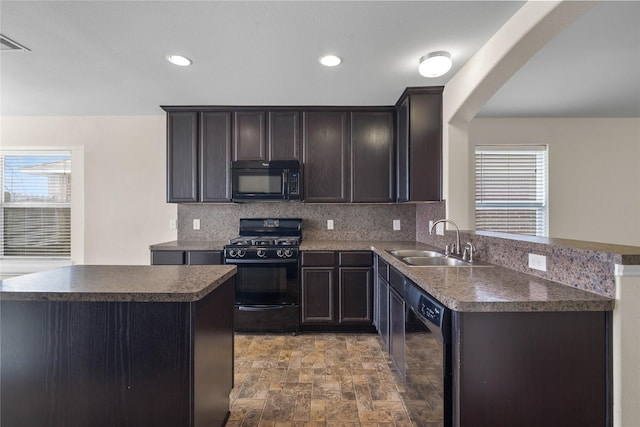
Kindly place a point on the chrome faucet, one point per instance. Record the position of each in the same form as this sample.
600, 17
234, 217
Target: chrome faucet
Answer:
456, 248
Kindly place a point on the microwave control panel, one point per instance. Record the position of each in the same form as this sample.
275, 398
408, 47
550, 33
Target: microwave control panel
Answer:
294, 183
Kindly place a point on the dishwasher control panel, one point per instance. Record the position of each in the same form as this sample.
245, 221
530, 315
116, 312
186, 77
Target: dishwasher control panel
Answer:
430, 310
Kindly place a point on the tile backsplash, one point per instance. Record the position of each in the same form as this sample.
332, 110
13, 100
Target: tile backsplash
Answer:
351, 221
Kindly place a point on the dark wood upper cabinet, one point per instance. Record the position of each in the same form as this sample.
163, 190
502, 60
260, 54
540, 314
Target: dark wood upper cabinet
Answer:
326, 156
182, 157
249, 141
284, 135
419, 144
215, 143
198, 156
372, 156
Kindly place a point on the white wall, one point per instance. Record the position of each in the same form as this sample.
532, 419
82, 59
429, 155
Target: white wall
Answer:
125, 207
594, 172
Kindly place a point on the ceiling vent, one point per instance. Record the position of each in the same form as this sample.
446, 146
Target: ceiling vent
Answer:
6, 44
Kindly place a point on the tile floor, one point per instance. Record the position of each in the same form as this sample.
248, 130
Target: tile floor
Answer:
316, 380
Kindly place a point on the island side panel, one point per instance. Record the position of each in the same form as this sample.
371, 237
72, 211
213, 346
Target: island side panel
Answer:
213, 356
73, 363
531, 369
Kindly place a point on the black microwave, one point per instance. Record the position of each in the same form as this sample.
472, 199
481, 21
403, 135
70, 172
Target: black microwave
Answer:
263, 181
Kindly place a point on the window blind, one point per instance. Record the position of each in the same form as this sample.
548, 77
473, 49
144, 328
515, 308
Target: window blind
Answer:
511, 189
35, 204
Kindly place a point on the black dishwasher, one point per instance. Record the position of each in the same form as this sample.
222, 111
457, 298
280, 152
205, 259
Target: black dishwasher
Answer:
428, 358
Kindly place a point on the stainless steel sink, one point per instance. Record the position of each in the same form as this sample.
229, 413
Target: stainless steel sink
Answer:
404, 253
435, 261
425, 258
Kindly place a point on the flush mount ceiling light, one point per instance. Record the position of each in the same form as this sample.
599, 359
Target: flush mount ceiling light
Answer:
180, 60
435, 64
330, 60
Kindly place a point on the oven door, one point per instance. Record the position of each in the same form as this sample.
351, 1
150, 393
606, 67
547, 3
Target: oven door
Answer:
267, 297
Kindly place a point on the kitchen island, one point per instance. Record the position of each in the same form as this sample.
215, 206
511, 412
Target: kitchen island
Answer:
117, 346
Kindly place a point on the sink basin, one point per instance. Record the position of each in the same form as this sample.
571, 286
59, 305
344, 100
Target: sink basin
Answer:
403, 253
436, 261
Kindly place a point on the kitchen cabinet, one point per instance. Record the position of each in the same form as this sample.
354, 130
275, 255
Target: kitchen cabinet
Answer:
336, 289
284, 135
419, 145
381, 298
266, 135
198, 149
325, 152
532, 368
186, 257
78, 353
182, 157
397, 321
249, 141
516, 368
372, 156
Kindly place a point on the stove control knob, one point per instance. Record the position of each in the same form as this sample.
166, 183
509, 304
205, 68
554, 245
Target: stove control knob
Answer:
280, 253
262, 253
288, 253
232, 253
241, 253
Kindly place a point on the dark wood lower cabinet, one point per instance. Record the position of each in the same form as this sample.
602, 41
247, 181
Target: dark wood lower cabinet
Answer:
186, 257
138, 364
532, 369
336, 290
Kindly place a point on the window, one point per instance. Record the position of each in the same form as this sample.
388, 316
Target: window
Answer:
35, 204
511, 189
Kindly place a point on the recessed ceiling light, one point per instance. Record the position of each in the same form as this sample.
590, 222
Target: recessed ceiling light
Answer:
180, 60
330, 60
435, 64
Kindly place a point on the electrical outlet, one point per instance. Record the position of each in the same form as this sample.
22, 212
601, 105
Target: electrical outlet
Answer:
396, 225
538, 262
440, 229
196, 224
430, 224
329, 224
172, 224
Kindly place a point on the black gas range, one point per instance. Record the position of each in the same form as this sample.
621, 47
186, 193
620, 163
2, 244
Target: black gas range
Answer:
267, 288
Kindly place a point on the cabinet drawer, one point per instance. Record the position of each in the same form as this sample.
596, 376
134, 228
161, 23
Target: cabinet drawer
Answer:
167, 257
204, 257
383, 268
396, 280
355, 259
317, 259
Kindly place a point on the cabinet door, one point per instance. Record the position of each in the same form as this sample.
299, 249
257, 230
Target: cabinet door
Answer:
382, 298
419, 145
284, 135
326, 156
425, 147
215, 146
372, 170
249, 135
182, 157
403, 151
396, 331
167, 257
317, 295
355, 296
204, 257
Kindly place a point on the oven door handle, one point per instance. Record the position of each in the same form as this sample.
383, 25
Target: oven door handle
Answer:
260, 307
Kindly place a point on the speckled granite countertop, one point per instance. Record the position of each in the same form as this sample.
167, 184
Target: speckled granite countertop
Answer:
133, 283
488, 289
189, 245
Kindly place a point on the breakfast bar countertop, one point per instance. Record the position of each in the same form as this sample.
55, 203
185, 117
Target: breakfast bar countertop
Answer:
123, 283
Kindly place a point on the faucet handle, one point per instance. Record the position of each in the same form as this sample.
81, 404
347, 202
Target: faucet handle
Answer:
469, 251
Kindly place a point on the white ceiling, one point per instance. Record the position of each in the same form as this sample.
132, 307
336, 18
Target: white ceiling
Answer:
108, 57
